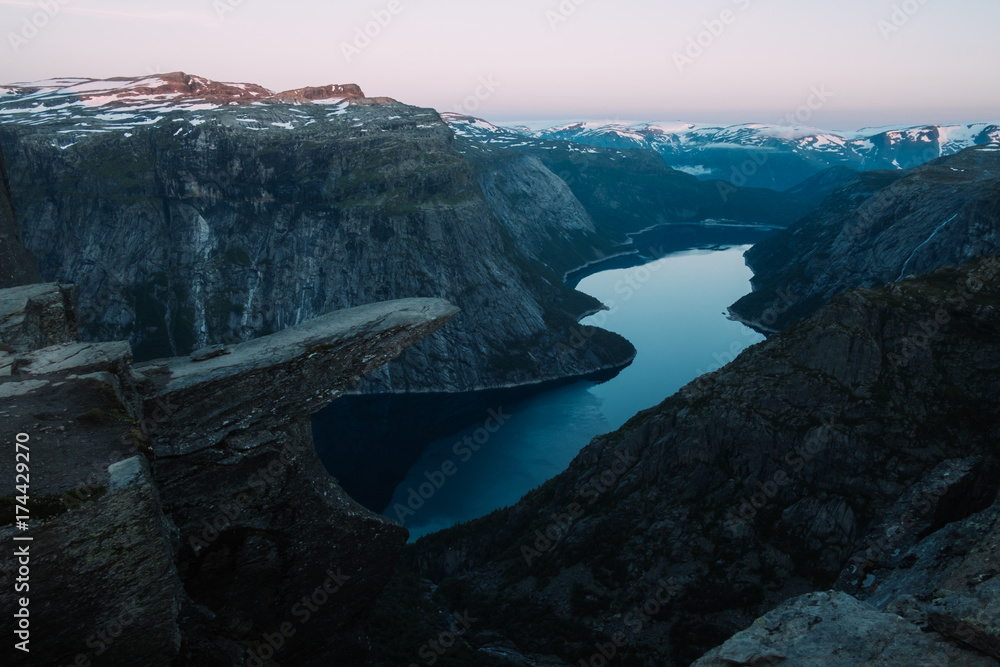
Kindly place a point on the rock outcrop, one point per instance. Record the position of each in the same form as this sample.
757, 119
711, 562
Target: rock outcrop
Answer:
945, 579
880, 227
36, 316
17, 266
835, 630
753, 485
178, 513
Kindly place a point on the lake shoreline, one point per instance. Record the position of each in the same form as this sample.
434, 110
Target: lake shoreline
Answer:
673, 313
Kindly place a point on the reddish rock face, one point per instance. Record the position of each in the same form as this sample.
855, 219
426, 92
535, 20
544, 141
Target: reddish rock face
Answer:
201, 88
350, 90
181, 88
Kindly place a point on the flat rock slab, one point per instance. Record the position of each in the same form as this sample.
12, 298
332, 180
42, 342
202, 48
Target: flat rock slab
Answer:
78, 426
265, 383
836, 630
37, 316
77, 357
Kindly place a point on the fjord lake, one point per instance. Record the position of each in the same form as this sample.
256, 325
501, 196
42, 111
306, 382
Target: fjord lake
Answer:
672, 309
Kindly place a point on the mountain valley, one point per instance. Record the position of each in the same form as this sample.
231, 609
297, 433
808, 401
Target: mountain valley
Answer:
192, 271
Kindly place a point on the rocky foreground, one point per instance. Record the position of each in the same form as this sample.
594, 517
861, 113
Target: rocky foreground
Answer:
178, 511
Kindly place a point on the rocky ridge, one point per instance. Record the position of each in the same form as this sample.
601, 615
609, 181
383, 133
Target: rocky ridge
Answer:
802, 632
626, 190
174, 88
880, 227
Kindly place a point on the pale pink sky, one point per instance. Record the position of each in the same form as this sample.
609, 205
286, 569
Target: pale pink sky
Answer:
579, 59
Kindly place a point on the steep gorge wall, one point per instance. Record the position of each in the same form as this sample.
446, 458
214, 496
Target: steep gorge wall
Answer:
17, 266
880, 227
186, 234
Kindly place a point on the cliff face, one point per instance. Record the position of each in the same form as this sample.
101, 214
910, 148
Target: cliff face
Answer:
881, 227
778, 475
17, 266
190, 224
178, 511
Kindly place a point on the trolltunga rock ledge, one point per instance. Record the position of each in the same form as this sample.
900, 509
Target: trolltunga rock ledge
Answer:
265, 383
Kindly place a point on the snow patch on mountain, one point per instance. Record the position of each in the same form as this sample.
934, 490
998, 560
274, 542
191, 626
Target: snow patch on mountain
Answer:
696, 170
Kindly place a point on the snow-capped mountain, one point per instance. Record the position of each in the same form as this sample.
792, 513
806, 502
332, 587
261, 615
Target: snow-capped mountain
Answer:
756, 155
484, 132
761, 155
87, 106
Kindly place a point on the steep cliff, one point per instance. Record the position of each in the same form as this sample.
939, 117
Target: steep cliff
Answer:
177, 511
211, 214
17, 266
757, 483
880, 227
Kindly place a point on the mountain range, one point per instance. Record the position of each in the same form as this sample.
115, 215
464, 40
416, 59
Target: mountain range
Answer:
776, 156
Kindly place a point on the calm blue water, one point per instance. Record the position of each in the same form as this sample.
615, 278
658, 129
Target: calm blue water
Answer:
672, 310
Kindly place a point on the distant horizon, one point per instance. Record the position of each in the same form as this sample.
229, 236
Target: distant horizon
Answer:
555, 119
879, 62
632, 121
